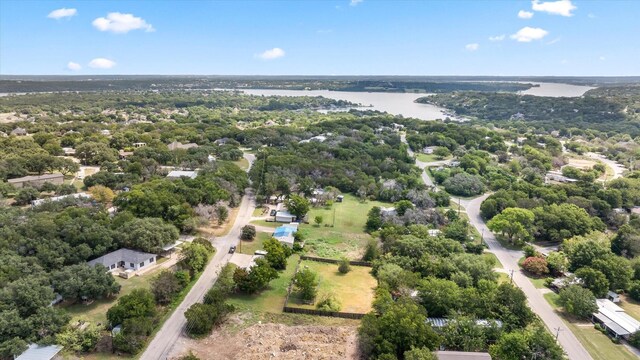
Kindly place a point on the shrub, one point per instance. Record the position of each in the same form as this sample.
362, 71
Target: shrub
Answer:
77, 340
372, 251
344, 266
183, 276
248, 233
535, 265
578, 301
204, 242
529, 251
306, 283
329, 302
464, 184
634, 339
634, 290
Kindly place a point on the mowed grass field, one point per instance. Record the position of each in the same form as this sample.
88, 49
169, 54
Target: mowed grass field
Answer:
347, 236
354, 290
250, 247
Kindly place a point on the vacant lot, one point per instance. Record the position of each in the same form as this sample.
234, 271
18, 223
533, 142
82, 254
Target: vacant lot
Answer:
250, 247
344, 235
354, 290
271, 299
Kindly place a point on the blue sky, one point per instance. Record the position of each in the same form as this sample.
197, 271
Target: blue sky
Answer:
348, 37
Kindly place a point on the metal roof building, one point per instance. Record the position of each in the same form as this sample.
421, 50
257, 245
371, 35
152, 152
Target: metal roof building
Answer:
617, 322
39, 352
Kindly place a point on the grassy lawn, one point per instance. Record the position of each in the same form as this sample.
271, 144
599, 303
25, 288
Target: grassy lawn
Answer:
491, 257
260, 211
538, 282
630, 306
96, 312
271, 224
250, 247
347, 237
354, 290
272, 299
503, 278
242, 164
429, 157
599, 346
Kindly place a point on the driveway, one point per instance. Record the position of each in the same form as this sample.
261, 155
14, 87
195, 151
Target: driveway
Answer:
618, 169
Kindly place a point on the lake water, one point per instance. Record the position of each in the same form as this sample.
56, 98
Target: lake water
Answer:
403, 103
556, 90
393, 103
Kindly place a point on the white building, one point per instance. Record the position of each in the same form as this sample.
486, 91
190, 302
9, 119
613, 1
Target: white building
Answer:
125, 258
177, 174
615, 320
39, 202
285, 216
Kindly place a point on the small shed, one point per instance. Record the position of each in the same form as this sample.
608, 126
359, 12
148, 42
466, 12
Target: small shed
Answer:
613, 297
340, 198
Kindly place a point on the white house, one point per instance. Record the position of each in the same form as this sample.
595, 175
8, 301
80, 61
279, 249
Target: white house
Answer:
177, 174
39, 202
429, 150
125, 258
557, 176
614, 319
388, 211
285, 216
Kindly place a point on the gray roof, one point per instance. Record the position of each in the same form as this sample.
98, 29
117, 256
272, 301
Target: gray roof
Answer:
38, 352
126, 255
38, 177
462, 355
619, 330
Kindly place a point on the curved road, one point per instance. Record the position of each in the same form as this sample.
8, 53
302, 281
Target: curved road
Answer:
509, 260
539, 305
165, 339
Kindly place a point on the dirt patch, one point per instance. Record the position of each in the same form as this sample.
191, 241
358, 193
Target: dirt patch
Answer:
581, 164
277, 341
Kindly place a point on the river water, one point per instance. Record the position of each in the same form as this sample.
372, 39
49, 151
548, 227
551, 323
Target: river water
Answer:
404, 103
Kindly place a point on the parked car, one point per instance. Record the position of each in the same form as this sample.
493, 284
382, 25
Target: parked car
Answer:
232, 250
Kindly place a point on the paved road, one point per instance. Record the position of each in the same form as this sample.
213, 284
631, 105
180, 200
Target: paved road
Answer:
161, 346
618, 169
509, 260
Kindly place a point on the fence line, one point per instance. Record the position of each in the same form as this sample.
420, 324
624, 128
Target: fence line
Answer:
334, 261
338, 314
294, 310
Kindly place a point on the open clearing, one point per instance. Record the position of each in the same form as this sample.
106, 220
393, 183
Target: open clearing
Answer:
354, 289
347, 236
582, 164
250, 247
277, 341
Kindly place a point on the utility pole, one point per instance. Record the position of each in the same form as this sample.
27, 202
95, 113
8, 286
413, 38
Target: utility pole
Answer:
511, 277
482, 237
558, 329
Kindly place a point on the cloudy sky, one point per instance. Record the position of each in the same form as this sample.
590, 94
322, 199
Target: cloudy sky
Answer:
348, 37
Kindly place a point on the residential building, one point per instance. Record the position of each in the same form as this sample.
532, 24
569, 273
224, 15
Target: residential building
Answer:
139, 144
557, 176
285, 216
462, 355
178, 145
429, 150
40, 352
39, 202
125, 258
177, 174
387, 211
285, 234
614, 319
37, 180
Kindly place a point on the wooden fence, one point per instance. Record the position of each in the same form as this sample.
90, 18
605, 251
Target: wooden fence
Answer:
294, 310
338, 314
334, 261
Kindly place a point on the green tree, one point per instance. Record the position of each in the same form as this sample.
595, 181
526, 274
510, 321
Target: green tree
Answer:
402, 206
26, 195
298, 205
306, 284
578, 301
371, 252
515, 223
194, 257
165, 286
401, 328
535, 265
248, 233
525, 344
222, 214
318, 220
147, 234
76, 340
593, 280
94, 153
464, 184
277, 253
557, 262
84, 282
255, 280
344, 266
420, 354
584, 250
374, 219
139, 303
559, 222
440, 296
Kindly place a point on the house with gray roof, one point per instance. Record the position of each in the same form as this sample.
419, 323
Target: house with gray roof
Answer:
125, 258
40, 352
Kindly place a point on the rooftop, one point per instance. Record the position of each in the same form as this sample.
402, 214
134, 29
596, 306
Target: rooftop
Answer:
35, 177
39, 352
616, 318
462, 355
126, 255
180, 173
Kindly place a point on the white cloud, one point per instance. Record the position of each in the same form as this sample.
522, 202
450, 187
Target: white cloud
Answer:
522, 14
602, 58
559, 7
497, 37
62, 13
528, 34
121, 23
102, 63
355, 2
472, 47
73, 66
553, 41
272, 54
